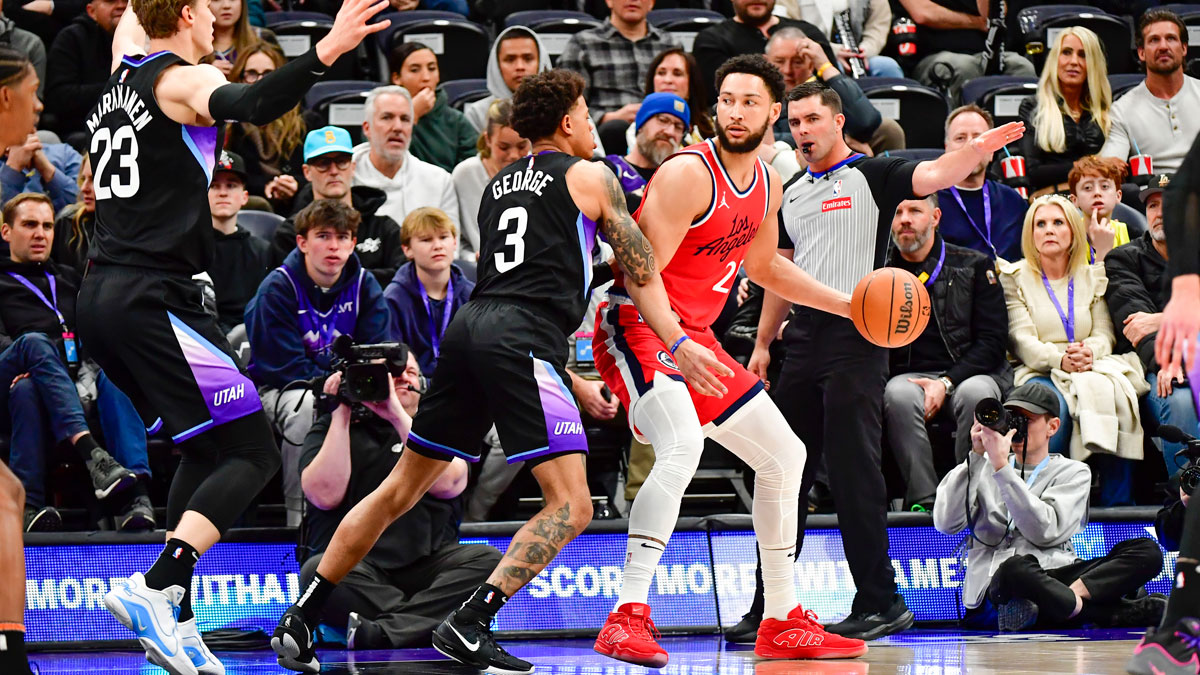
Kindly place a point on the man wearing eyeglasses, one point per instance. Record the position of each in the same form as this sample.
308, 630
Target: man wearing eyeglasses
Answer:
329, 168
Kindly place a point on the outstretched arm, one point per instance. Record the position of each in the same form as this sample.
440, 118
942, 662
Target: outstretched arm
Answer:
951, 168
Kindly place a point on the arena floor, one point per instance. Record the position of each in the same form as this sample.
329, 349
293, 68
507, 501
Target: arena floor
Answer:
916, 652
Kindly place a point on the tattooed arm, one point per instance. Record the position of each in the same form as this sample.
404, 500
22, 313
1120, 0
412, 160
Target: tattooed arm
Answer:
643, 248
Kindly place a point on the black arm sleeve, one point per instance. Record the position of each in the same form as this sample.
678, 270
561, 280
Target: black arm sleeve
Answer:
270, 97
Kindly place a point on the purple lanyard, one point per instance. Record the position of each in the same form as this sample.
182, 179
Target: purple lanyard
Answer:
1067, 318
986, 233
930, 278
53, 305
436, 337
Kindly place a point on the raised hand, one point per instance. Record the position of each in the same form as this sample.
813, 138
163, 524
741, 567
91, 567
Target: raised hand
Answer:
350, 27
995, 139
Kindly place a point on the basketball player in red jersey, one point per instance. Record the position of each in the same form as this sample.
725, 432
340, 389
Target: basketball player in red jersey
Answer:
707, 210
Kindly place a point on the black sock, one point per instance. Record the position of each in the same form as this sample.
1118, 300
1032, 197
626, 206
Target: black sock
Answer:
1185, 596
174, 566
12, 650
312, 600
482, 606
185, 605
85, 445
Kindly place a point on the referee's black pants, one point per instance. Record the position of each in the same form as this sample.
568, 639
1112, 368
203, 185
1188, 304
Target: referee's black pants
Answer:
831, 393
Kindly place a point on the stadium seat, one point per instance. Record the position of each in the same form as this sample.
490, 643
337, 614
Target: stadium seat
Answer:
462, 92
684, 23
1123, 82
553, 27
444, 33
340, 103
915, 154
261, 224
1040, 26
919, 109
297, 32
1191, 17
1000, 95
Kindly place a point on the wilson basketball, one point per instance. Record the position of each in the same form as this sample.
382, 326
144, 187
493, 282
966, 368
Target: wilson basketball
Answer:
890, 307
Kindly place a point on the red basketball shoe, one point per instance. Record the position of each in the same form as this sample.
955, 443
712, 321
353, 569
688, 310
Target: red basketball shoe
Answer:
801, 636
628, 636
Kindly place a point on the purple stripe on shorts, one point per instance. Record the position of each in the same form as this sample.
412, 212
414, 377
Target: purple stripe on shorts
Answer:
564, 429
228, 393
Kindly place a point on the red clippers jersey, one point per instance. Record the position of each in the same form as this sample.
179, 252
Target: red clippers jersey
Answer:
698, 279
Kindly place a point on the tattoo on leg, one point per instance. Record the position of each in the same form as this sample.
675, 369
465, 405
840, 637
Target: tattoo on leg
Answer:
534, 547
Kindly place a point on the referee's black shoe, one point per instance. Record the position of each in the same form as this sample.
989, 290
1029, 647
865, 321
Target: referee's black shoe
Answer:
293, 643
745, 632
472, 643
874, 625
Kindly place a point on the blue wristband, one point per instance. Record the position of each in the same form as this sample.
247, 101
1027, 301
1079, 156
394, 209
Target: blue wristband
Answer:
679, 342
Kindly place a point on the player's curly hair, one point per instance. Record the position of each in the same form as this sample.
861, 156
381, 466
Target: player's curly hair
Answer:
542, 100
757, 65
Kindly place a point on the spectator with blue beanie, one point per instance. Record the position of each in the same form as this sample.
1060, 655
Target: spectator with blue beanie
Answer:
660, 124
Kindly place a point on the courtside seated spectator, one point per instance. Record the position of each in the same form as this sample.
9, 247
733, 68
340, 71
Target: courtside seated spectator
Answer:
499, 145
429, 289
661, 122
47, 168
979, 213
1138, 290
240, 259
960, 358
675, 71
232, 33
385, 162
442, 135
77, 66
329, 167
320, 291
1072, 112
950, 41
1159, 116
417, 571
1060, 330
1095, 184
1030, 502
517, 53
46, 376
75, 224
614, 59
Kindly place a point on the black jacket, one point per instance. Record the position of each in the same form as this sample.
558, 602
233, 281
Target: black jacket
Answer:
22, 312
240, 263
1044, 168
1137, 282
970, 312
77, 68
378, 245
717, 44
862, 118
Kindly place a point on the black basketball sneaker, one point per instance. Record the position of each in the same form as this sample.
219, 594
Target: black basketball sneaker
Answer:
472, 643
293, 643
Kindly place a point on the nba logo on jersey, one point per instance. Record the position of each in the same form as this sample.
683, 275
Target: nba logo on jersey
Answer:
837, 188
122, 77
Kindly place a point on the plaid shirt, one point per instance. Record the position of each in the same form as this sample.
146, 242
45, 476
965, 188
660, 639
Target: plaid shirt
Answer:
613, 67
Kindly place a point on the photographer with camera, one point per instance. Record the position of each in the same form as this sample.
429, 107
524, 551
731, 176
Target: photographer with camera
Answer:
319, 293
417, 572
1021, 505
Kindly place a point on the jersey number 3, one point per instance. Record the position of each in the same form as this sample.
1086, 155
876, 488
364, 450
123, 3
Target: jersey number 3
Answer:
121, 146
517, 218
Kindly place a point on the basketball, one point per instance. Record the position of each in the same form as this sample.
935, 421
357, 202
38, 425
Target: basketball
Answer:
890, 307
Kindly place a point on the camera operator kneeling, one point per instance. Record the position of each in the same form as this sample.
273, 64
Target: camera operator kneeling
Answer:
418, 572
1021, 505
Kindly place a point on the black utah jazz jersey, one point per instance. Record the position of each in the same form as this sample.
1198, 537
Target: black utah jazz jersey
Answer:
535, 245
151, 175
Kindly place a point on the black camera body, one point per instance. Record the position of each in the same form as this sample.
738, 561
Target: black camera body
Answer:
992, 414
364, 370
1189, 477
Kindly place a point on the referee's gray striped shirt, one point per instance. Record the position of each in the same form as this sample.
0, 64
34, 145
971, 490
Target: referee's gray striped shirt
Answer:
838, 223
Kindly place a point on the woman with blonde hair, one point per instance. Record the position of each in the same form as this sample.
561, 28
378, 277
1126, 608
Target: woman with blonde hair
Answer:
1061, 332
76, 223
1072, 113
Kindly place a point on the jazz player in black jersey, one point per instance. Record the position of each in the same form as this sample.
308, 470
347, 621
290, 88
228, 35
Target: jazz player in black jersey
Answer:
504, 356
153, 138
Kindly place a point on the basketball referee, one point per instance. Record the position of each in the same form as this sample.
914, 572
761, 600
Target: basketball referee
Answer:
835, 224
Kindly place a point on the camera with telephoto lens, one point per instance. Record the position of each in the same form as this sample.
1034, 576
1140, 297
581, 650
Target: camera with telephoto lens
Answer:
1189, 476
993, 415
364, 370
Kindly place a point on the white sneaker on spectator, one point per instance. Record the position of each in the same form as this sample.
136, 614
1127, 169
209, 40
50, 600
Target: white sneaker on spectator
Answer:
151, 613
195, 648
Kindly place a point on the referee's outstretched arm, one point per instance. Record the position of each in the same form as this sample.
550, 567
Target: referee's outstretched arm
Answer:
200, 94
953, 167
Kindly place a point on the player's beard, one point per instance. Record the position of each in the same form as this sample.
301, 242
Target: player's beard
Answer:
748, 144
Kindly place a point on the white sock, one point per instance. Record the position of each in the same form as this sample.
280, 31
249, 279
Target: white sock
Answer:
779, 588
667, 418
